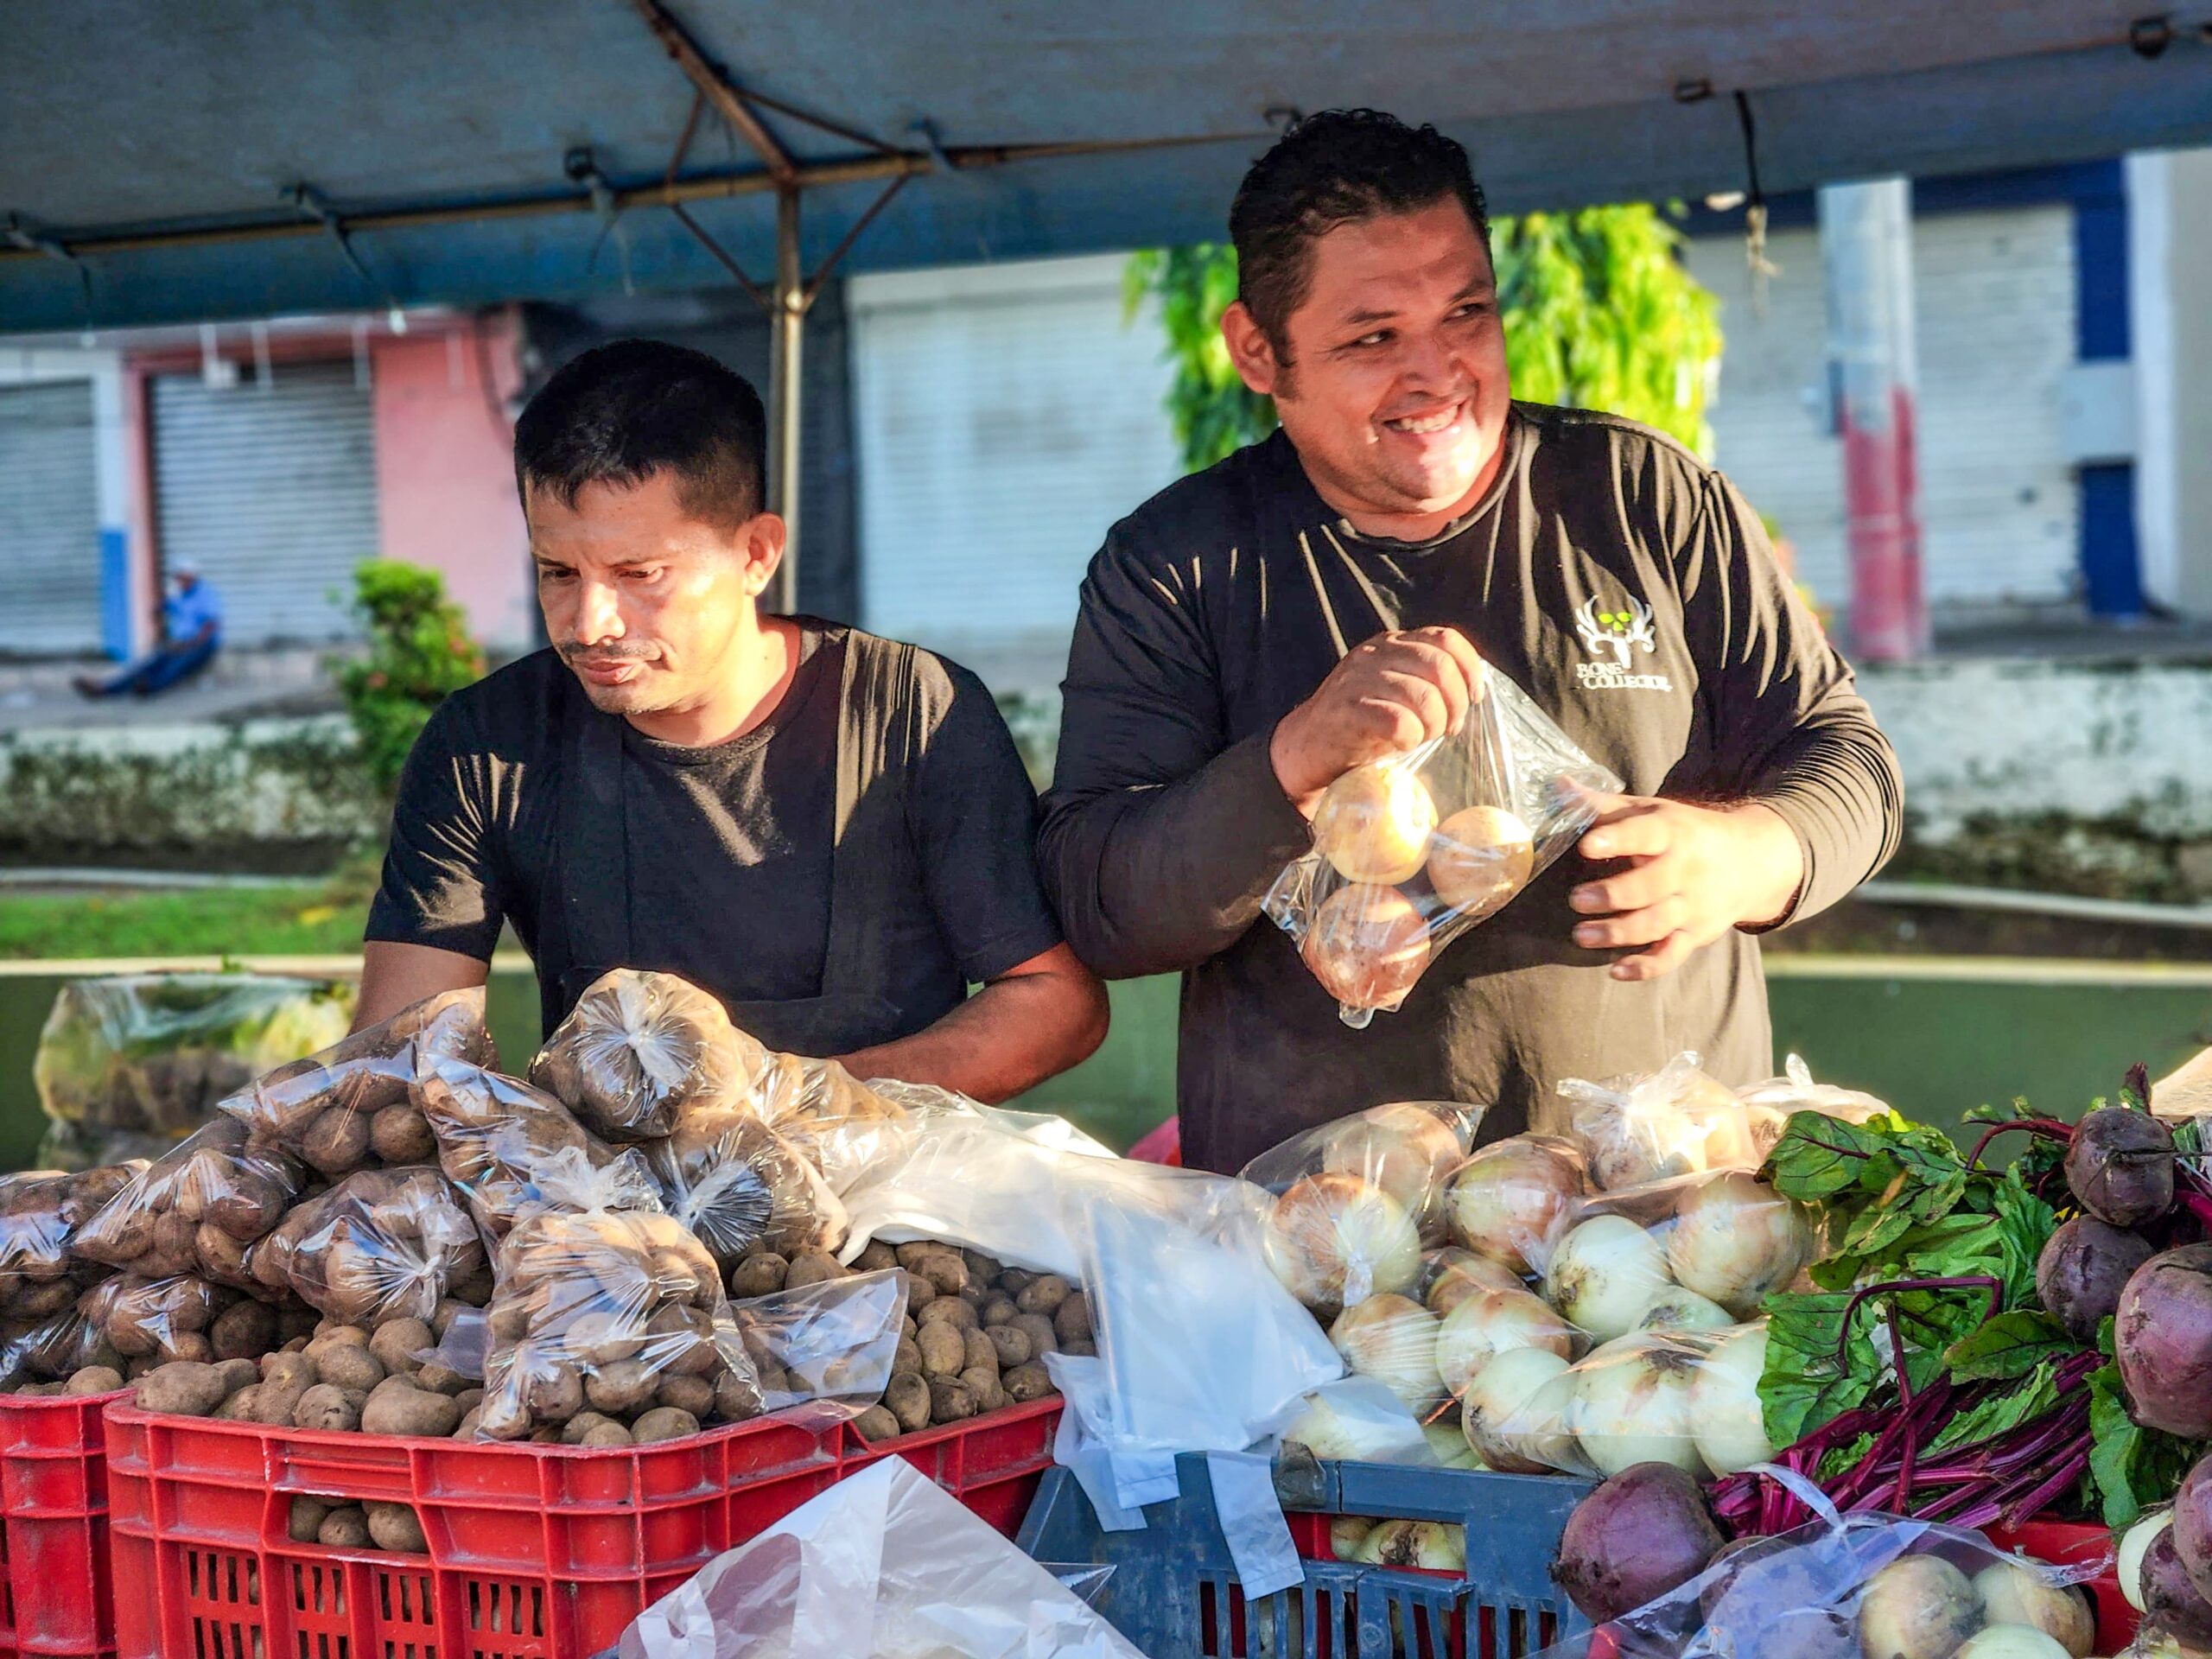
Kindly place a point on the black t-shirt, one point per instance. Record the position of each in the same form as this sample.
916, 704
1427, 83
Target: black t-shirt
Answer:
1221, 604
729, 872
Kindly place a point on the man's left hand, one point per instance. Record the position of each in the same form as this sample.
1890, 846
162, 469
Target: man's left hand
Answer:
1692, 873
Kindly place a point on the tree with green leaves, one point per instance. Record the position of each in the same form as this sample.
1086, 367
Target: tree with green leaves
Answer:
1600, 310
419, 651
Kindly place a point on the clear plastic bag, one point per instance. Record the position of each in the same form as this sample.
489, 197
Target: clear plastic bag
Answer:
153, 1053
739, 1185
1772, 1103
163, 1318
1687, 1398
1635, 1130
619, 1313
1410, 852
357, 1103
638, 1049
513, 1149
42, 1212
884, 1565
1405, 1150
828, 1345
1504, 1204
846, 1129
382, 1245
196, 1211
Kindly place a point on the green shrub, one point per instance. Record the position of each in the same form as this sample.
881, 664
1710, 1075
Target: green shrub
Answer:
419, 651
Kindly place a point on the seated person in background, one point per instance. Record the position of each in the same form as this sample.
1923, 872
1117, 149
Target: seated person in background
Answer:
191, 631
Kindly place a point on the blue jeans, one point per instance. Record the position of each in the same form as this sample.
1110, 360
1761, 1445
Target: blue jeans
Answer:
164, 669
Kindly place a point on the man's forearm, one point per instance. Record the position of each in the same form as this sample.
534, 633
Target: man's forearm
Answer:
1156, 880
1839, 789
1010, 1036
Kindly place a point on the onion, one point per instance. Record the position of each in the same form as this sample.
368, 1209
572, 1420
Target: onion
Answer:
1605, 1274
1374, 823
1516, 1410
1347, 1532
2010, 1641
1918, 1607
2015, 1592
1334, 1239
1483, 1326
1506, 1200
1435, 1546
2132, 1544
1393, 1339
1367, 945
1452, 1275
1734, 1239
1404, 1148
1677, 1308
1632, 1405
1338, 1427
1449, 1441
1483, 856
1726, 1419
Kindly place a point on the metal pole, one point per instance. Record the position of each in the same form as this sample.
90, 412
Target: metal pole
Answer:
1866, 250
786, 344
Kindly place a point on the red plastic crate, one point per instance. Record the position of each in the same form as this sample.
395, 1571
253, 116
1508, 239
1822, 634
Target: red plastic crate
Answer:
54, 1592
992, 1464
2066, 1543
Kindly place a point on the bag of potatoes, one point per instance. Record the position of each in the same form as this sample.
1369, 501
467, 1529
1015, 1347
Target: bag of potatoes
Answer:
382, 1245
843, 1127
739, 1185
42, 1212
641, 1048
197, 1210
513, 1149
1411, 851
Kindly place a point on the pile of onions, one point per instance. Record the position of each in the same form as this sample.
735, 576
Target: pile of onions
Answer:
1335, 1240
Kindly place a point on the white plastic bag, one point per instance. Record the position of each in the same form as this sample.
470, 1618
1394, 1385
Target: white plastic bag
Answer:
1411, 851
883, 1565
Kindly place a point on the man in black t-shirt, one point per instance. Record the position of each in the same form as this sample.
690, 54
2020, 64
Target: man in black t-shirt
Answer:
1338, 593
831, 832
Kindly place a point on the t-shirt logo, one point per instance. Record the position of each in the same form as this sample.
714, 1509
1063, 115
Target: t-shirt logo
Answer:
1612, 639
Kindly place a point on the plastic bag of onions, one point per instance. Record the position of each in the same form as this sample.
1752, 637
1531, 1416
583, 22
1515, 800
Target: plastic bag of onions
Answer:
1406, 1151
1411, 851
1697, 1253
1633, 1130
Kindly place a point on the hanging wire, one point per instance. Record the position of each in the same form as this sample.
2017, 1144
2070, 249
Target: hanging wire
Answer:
1761, 268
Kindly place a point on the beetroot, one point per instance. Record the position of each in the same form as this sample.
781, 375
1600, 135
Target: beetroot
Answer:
2162, 1336
2171, 1601
2192, 1527
2083, 1268
1641, 1533
2119, 1165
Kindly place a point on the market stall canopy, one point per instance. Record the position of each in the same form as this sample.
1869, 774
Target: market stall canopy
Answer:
412, 153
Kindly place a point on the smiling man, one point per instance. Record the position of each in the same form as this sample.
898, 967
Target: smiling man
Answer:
1337, 593
831, 832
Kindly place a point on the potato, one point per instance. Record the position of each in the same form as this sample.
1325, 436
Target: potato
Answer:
327, 1408
337, 1142
245, 1330
761, 1273
397, 1407
1012, 1346
239, 1405
1027, 1383
1000, 1310
289, 1368
397, 1341
552, 1392
944, 1349
983, 1354
1039, 1330
946, 1273
682, 1339
345, 1364
237, 1374
622, 1387
340, 1331
981, 1269
276, 1399
1043, 1294
692, 1394
874, 1257
811, 1267
466, 1429
93, 1379
606, 1431
448, 1311
1072, 1319
983, 1387
1079, 1350
183, 1388
469, 1398
950, 1401
737, 1397
976, 1295
950, 1310
919, 1293
662, 1423
908, 1357
573, 1431
396, 1526
441, 1379
344, 1528
906, 1396
307, 1518
400, 1135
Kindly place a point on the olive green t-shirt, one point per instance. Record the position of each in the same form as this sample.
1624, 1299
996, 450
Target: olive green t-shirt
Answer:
1222, 603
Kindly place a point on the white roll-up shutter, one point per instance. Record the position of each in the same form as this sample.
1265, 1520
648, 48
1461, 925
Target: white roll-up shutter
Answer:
2000, 509
49, 518
1004, 417
271, 491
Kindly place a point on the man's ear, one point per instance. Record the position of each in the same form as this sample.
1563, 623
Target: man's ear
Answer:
1250, 349
762, 546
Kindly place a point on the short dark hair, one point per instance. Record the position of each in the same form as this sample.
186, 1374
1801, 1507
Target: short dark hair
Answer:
1334, 167
623, 411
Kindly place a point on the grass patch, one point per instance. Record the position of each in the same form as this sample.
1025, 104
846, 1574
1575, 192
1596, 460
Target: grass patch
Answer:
247, 921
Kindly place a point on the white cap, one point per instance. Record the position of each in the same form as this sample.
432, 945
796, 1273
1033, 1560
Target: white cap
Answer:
184, 567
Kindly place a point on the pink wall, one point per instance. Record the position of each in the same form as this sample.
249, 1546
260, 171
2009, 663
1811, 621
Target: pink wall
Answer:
445, 472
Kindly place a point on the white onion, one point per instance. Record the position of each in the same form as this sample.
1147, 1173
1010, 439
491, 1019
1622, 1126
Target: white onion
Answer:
1515, 1412
1334, 1239
1679, 1308
1448, 1440
1454, 1275
1393, 1339
1734, 1239
1918, 1607
1345, 1433
1347, 1532
2133, 1544
1605, 1274
1404, 1148
2011, 1642
1507, 1199
1726, 1416
1483, 1326
1438, 1546
1632, 1405
2016, 1592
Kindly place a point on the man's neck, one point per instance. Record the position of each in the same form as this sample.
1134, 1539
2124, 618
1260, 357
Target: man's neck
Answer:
766, 664
1413, 525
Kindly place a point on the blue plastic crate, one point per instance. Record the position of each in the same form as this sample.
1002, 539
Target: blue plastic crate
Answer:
1174, 1592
